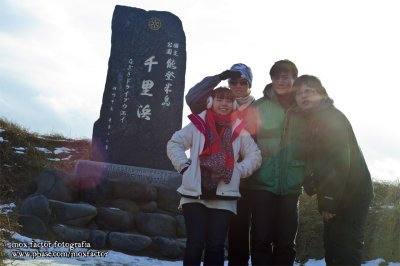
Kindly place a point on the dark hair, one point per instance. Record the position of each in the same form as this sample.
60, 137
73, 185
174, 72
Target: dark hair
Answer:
222, 93
310, 81
285, 66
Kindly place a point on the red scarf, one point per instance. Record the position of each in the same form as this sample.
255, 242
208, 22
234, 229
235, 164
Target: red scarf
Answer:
217, 159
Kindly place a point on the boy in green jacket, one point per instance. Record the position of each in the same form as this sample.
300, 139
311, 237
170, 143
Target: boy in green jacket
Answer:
276, 186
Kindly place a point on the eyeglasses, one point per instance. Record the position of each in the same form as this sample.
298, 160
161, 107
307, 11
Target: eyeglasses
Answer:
241, 82
306, 92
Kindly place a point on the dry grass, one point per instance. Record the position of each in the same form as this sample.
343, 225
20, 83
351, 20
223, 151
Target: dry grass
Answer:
18, 170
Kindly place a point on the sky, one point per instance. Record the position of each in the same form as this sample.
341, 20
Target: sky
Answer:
54, 58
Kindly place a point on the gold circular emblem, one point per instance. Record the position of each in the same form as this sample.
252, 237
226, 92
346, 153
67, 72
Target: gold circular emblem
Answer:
154, 23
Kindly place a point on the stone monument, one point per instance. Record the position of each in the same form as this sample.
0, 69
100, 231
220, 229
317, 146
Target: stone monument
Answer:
143, 96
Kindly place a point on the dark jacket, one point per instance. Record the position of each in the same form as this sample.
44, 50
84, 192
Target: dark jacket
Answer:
336, 167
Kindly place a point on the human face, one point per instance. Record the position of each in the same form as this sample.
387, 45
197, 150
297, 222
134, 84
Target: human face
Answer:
239, 87
222, 106
282, 83
307, 97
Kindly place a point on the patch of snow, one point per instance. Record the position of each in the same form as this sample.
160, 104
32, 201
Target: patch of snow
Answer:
390, 207
7, 208
67, 158
60, 159
62, 150
19, 150
45, 150
374, 262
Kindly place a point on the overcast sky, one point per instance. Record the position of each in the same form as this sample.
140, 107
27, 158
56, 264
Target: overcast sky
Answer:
54, 56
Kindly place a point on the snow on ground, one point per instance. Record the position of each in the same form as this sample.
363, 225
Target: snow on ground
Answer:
21, 251
7, 208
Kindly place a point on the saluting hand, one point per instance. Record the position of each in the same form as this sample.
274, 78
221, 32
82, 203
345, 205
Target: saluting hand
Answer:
229, 74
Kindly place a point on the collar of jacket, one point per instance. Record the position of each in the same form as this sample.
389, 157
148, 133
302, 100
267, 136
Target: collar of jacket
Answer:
325, 104
268, 92
200, 124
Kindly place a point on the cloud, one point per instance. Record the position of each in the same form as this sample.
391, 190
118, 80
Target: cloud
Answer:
387, 169
55, 60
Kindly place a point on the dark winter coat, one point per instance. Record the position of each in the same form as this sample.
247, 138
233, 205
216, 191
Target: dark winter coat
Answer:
337, 171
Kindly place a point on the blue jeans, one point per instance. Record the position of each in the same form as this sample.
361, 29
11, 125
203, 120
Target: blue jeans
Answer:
274, 228
206, 229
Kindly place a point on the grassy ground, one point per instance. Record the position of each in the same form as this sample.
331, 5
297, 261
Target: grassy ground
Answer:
22, 158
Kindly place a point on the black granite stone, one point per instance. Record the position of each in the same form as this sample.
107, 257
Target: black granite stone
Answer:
143, 96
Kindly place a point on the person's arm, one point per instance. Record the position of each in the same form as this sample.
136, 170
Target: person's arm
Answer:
196, 98
180, 142
250, 154
334, 163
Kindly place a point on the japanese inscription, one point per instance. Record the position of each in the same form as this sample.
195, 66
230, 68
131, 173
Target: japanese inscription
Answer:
143, 97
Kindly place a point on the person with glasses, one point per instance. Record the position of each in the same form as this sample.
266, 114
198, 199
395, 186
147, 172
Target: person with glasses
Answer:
239, 78
275, 188
336, 172
212, 174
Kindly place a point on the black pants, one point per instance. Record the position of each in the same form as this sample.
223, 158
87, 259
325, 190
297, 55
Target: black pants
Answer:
205, 229
239, 230
344, 236
274, 228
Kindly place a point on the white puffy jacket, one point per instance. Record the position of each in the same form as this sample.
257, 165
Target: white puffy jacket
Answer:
190, 137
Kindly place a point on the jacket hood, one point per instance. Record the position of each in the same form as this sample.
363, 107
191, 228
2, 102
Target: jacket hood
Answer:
268, 92
286, 101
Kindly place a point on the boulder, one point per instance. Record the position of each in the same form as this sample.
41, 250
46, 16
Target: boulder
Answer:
128, 242
97, 239
37, 205
134, 191
56, 185
149, 206
113, 219
31, 224
156, 224
78, 214
169, 248
71, 233
180, 225
168, 200
125, 205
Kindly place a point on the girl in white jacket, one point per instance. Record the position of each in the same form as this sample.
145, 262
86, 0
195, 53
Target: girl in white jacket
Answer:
221, 154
